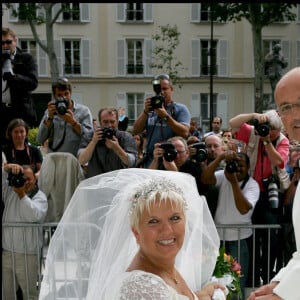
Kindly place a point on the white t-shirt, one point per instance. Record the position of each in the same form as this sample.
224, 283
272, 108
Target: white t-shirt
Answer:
227, 212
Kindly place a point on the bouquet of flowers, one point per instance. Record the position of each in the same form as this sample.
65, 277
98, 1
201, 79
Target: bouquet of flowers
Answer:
228, 272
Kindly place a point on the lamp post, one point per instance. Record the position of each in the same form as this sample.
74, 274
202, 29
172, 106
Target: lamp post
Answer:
211, 93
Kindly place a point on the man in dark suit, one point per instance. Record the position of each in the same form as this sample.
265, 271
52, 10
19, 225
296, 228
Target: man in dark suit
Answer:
19, 79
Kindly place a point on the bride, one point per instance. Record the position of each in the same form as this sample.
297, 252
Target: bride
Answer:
133, 234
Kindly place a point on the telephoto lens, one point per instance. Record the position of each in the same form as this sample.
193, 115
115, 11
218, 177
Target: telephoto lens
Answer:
273, 194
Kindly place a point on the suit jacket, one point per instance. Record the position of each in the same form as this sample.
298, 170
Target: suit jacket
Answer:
21, 86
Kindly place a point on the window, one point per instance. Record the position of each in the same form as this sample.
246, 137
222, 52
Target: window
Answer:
71, 12
206, 54
135, 106
72, 57
28, 46
205, 12
208, 57
134, 12
135, 57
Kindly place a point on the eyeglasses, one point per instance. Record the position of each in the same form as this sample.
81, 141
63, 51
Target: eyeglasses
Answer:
288, 108
7, 42
181, 152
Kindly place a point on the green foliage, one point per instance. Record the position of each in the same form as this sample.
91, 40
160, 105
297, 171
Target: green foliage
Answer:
32, 134
227, 265
163, 55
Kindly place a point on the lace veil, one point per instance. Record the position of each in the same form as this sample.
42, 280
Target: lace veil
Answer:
93, 244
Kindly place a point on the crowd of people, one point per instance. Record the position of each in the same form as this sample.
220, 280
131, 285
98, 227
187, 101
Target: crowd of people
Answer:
233, 169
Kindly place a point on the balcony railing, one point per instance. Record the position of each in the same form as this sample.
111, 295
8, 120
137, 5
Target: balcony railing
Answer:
205, 70
72, 69
135, 15
135, 69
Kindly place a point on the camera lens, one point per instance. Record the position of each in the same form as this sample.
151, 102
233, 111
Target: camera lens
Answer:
231, 166
273, 195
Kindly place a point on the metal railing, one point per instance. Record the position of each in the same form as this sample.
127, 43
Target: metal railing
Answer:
63, 277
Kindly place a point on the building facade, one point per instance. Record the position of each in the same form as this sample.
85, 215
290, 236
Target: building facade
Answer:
105, 49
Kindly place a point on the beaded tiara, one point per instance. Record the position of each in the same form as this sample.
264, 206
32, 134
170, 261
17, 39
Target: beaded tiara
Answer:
157, 185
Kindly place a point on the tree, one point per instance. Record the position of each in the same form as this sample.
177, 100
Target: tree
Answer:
259, 15
28, 13
163, 53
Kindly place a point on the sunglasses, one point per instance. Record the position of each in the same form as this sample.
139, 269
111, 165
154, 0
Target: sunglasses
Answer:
7, 42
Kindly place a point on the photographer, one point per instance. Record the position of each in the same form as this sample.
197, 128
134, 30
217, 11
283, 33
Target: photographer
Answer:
238, 194
19, 79
266, 147
23, 202
162, 117
174, 155
107, 148
64, 122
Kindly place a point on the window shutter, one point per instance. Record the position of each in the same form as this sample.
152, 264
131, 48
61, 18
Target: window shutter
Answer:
222, 108
121, 12
41, 12
285, 51
121, 57
11, 17
84, 12
195, 13
57, 49
298, 53
121, 100
85, 57
55, 9
148, 48
195, 105
195, 67
223, 58
42, 61
148, 12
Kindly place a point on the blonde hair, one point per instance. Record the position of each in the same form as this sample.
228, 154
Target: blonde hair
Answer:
158, 188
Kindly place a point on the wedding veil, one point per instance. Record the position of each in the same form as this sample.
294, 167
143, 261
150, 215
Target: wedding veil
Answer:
93, 242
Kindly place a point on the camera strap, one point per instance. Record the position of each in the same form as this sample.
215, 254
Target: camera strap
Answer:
32, 193
245, 181
51, 137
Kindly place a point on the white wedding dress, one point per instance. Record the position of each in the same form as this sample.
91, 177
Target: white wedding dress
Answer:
142, 285
93, 245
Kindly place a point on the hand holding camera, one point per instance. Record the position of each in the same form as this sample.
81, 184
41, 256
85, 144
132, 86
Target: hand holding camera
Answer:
262, 128
157, 100
7, 65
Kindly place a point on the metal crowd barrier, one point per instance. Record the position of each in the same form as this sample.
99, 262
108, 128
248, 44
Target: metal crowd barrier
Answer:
68, 262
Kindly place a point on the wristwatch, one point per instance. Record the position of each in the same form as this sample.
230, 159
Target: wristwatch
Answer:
266, 142
166, 118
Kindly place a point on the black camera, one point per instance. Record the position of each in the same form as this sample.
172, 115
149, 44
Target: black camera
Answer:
61, 104
5, 54
262, 129
231, 166
108, 132
170, 151
201, 153
157, 100
16, 180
